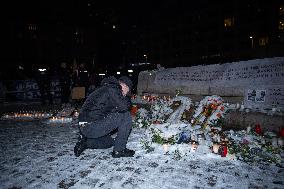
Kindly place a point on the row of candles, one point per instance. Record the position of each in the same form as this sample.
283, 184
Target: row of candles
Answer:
36, 114
40, 115
27, 115
60, 119
151, 98
217, 148
52, 119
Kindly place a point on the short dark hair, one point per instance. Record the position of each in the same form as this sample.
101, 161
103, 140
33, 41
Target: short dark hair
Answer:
126, 81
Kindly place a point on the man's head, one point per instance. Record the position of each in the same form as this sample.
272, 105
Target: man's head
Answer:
126, 84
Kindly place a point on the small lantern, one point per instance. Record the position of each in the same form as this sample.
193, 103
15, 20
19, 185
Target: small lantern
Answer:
194, 146
281, 133
166, 147
76, 113
200, 138
156, 122
274, 141
134, 110
237, 106
248, 129
280, 142
258, 129
215, 148
223, 150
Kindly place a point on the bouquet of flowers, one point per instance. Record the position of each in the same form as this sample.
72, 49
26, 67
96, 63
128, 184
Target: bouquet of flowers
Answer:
142, 119
210, 110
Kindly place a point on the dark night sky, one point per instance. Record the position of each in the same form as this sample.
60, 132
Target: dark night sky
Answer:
166, 24
90, 15
79, 12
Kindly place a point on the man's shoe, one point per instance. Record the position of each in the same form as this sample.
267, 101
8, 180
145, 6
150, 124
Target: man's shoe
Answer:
80, 146
123, 153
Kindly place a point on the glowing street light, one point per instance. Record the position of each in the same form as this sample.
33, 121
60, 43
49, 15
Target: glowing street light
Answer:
146, 57
42, 70
251, 37
118, 73
130, 71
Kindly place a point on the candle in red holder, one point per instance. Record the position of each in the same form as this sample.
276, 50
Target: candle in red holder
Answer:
258, 129
224, 151
134, 110
281, 133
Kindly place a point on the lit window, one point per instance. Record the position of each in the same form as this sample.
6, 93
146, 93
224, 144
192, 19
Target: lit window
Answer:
281, 10
263, 41
32, 27
228, 22
42, 69
281, 25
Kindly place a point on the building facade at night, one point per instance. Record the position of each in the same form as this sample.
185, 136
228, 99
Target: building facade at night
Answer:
116, 35
212, 32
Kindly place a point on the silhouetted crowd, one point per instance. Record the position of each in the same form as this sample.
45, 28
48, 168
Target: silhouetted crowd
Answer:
70, 78
52, 83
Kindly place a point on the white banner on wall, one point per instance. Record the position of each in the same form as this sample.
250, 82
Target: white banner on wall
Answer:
263, 96
244, 73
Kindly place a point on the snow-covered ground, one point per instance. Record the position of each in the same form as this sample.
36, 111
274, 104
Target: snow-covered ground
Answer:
37, 155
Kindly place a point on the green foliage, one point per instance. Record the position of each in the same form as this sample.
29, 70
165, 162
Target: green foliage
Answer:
141, 122
218, 122
147, 146
265, 153
157, 138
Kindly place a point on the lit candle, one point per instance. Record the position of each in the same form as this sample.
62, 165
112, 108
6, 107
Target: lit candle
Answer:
193, 146
215, 148
274, 141
248, 129
224, 150
166, 147
280, 141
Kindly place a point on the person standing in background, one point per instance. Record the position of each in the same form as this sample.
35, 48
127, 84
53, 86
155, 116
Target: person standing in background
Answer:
44, 83
65, 82
80, 84
83, 77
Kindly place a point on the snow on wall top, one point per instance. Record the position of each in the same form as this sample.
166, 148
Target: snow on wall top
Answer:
269, 71
259, 82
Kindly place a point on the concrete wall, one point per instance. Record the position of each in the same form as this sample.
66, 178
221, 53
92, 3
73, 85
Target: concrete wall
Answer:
241, 120
232, 81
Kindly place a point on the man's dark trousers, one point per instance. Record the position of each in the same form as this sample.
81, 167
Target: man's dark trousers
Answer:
98, 132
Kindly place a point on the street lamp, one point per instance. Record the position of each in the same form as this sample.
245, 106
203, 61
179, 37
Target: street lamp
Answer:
251, 38
145, 55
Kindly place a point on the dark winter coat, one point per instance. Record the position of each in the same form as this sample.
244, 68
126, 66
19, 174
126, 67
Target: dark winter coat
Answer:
106, 99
